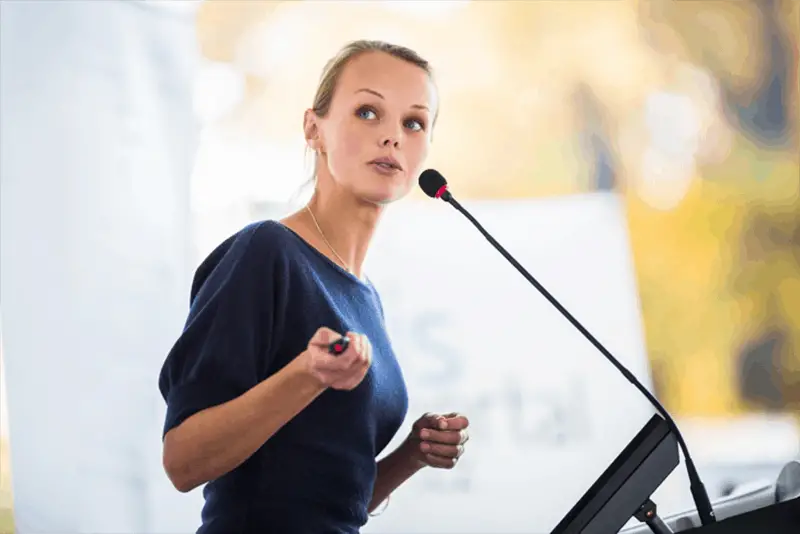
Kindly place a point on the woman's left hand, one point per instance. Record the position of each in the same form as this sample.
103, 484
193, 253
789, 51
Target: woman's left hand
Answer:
438, 440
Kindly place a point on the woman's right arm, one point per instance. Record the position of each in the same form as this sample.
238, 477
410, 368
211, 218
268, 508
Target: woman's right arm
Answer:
217, 440
219, 409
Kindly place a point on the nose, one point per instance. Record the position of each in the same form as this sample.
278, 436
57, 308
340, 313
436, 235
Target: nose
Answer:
390, 140
391, 136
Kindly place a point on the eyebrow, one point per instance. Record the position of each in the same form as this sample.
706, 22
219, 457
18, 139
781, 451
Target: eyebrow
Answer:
376, 93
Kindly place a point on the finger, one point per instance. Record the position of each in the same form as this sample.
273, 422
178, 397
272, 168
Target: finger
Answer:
445, 451
441, 462
456, 421
352, 356
446, 437
350, 377
356, 343
348, 369
367, 351
324, 336
328, 363
428, 420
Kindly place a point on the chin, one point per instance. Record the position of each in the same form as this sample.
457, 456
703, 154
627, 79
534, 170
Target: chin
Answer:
383, 195
381, 199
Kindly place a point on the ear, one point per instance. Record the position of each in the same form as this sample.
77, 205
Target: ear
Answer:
311, 130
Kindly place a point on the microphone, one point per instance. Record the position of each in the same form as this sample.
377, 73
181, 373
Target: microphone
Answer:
435, 186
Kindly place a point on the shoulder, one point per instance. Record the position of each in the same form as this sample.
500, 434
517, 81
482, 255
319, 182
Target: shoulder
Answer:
258, 248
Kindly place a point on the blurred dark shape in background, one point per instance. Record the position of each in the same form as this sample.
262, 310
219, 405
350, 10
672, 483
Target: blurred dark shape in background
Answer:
759, 372
595, 139
762, 115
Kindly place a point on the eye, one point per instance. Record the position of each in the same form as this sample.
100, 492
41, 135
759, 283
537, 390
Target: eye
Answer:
366, 113
415, 125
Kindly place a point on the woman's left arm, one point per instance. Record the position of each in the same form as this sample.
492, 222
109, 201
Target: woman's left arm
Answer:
435, 441
393, 471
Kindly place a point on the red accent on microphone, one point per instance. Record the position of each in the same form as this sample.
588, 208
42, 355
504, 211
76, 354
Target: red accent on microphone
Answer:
441, 191
337, 347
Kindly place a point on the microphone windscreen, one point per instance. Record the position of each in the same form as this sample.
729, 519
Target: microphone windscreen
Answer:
431, 181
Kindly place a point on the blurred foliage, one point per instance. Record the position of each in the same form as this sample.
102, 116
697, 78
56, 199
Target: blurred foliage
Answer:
720, 274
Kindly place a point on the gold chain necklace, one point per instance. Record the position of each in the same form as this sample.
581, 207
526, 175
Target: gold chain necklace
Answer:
322, 234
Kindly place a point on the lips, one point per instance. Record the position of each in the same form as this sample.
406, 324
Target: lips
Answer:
387, 163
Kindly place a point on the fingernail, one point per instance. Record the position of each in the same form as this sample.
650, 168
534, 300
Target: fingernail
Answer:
425, 434
425, 447
443, 424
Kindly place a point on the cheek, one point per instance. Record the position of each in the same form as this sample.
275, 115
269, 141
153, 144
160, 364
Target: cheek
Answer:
354, 147
347, 150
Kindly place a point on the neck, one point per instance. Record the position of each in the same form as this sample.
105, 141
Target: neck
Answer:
348, 227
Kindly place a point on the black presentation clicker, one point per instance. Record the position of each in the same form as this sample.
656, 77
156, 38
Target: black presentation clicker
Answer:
339, 346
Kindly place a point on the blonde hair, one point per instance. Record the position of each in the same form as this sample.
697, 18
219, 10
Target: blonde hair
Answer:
336, 65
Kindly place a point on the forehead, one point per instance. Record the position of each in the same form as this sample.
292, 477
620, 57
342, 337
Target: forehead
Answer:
397, 80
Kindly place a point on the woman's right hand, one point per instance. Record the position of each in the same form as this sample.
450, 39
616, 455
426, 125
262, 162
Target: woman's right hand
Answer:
345, 371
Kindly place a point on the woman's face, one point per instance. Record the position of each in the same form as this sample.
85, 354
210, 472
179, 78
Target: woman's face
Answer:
375, 138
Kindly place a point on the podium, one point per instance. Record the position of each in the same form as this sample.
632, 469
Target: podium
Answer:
771, 509
779, 518
624, 489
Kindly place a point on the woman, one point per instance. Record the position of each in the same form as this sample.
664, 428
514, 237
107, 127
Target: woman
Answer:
286, 434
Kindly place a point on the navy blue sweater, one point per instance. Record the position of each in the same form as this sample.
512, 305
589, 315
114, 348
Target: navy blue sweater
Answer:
256, 301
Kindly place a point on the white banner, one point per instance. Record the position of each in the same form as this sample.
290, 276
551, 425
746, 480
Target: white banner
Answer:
548, 412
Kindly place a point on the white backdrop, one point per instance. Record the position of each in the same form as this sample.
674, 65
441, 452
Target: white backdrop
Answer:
96, 144
548, 412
